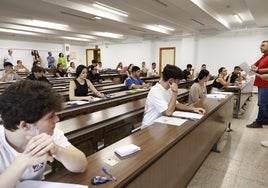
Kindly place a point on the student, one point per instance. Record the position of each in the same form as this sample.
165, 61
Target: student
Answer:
220, 82
78, 89
9, 75
187, 75
94, 76
28, 137
134, 81
199, 90
60, 72
20, 68
235, 75
38, 75
152, 72
71, 70
162, 98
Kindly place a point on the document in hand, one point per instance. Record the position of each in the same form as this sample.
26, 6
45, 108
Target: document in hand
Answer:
127, 150
190, 115
45, 184
245, 67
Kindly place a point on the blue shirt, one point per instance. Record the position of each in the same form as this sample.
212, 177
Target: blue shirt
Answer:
130, 81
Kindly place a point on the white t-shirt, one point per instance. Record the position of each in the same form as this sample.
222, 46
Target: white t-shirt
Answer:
8, 154
10, 77
156, 103
152, 72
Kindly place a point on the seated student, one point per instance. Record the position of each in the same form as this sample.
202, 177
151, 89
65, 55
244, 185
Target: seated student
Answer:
9, 75
94, 76
28, 136
162, 98
236, 75
60, 72
203, 67
20, 68
152, 72
187, 75
199, 90
78, 89
134, 81
220, 82
38, 75
71, 70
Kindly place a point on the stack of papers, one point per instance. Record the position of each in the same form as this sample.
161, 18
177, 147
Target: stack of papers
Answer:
127, 150
216, 96
170, 120
189, 115
77, 102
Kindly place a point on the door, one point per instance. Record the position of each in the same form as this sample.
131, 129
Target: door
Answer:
93, 54
167, 56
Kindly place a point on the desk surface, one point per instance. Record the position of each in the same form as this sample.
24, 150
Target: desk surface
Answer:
154, 141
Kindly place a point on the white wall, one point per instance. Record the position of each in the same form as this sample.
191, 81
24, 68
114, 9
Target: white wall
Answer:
22, 50
227, 49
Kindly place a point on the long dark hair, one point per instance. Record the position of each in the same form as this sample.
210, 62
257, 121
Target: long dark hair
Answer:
201, 75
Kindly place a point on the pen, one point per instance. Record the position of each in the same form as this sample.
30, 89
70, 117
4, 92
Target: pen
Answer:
107, 173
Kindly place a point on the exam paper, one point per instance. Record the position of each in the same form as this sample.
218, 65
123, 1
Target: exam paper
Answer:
245, 67
46, 184
187, 114
216, 96
170, 120
127, 150
78, 102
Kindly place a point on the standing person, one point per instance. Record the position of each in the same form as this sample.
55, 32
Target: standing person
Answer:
62, 60
50, 60
29, 138
261, 67
188, 73
8, 57
9, 75
78, 89
162, 98
36, 56
199, 90
152, 72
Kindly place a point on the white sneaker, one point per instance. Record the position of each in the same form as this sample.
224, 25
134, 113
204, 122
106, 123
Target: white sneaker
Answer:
264, 143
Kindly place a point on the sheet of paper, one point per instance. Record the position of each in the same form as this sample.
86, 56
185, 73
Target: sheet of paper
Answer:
77, 102
127, 150
96, 99
46, 184
245, 67
170, 120
183, 114
216, 96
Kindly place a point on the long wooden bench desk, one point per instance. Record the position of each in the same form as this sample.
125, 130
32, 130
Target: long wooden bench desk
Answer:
116, 99
169, 157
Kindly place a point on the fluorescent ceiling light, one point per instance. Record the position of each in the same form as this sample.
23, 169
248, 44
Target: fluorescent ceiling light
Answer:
110, 9
166, 27
238, 18
17, 31
76, 38
85, 36
109, 35
45, 24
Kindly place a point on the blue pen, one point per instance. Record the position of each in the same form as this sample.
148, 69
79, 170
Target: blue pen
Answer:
107, 173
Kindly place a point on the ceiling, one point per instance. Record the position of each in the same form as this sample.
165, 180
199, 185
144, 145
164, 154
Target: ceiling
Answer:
186, 17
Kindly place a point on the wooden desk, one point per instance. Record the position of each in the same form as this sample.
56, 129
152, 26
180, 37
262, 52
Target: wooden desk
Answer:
169, 155
116, 99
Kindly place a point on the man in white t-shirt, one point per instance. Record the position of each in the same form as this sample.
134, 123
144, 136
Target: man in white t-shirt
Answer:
162, 98
152, 72
28, 137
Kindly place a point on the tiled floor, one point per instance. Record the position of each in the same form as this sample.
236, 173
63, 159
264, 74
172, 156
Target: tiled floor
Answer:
242, 162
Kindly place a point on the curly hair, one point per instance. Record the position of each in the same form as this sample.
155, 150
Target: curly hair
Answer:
27, 101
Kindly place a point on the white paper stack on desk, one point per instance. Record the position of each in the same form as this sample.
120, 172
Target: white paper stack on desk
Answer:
127, 150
